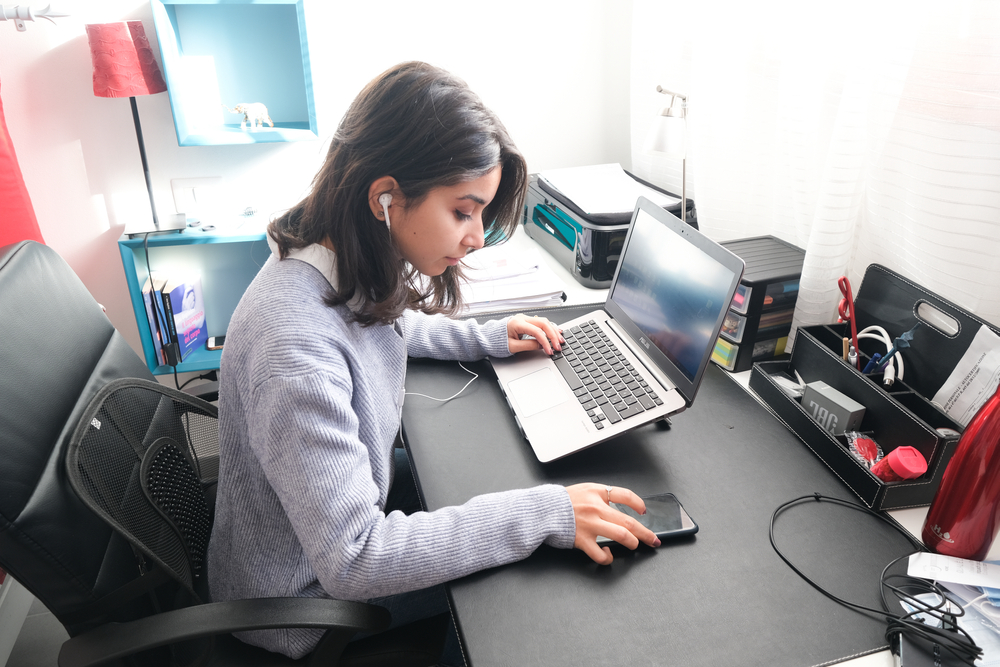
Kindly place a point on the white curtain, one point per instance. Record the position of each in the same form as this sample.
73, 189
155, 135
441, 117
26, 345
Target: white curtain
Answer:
863, 132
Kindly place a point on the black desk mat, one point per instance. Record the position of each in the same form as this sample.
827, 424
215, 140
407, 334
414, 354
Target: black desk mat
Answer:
722, 597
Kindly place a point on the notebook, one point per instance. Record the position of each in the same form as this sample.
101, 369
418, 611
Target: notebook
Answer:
639, 359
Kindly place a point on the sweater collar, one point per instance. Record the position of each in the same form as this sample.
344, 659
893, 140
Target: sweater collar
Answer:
316, 255
320, 258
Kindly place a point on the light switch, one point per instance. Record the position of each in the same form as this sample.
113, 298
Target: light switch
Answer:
198, 198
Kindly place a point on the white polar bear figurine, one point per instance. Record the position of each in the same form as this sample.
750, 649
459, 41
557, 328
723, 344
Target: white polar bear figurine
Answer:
254, 113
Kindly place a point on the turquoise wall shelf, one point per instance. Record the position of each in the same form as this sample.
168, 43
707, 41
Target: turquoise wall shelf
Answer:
227, 262
218, 54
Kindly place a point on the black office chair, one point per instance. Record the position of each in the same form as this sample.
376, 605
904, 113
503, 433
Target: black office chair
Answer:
106, 501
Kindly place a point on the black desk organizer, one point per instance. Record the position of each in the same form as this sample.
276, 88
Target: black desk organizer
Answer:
899, 415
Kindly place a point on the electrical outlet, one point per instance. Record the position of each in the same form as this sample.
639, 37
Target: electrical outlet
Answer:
197, 198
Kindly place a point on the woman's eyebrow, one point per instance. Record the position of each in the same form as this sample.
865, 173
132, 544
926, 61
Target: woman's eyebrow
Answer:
478, 200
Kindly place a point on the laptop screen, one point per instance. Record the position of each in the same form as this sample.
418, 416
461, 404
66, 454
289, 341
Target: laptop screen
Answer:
673, 292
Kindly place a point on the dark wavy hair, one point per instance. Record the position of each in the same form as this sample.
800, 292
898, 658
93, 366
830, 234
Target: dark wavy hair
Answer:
424, 127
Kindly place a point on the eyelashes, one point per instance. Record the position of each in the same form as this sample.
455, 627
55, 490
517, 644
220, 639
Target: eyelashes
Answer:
462, 216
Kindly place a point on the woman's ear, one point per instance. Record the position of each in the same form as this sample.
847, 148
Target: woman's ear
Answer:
381, 186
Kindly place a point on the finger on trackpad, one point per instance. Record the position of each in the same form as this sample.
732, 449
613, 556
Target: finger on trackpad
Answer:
539, 391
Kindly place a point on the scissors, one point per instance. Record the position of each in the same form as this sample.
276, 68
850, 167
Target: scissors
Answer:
846, 310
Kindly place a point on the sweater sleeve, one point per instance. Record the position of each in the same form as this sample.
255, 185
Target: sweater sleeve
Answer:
440, 337
304, 433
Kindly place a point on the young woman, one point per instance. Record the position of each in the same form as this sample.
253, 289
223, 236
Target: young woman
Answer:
312, 495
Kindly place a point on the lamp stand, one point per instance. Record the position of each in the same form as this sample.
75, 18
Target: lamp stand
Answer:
145, 165
684, 203
172, 225
661, 143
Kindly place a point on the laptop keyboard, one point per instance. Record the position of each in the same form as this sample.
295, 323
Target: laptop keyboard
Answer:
606, 384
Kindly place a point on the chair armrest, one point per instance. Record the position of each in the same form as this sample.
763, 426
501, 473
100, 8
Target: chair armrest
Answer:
117, 640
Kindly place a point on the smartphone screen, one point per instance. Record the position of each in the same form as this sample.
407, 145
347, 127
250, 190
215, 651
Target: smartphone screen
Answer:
664, 516
216, 342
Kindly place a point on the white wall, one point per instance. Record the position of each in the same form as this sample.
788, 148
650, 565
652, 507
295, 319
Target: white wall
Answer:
556, 72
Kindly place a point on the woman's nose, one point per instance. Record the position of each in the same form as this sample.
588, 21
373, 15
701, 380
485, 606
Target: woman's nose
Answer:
476, 238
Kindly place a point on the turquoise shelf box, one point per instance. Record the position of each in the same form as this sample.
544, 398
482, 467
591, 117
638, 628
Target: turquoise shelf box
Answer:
218, 54
227, 261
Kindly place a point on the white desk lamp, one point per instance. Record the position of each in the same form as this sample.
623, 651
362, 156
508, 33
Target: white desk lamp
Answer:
667, 136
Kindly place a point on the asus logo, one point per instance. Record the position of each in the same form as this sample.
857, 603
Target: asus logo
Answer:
644, 342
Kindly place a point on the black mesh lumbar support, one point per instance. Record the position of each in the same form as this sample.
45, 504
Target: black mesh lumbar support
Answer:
170, 483
138, 458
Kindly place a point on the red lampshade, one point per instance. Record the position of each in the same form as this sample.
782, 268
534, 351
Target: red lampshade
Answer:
124, 65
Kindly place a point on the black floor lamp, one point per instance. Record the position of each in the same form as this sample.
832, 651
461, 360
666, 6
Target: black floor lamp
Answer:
124, 66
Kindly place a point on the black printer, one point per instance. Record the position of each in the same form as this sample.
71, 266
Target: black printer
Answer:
587, 245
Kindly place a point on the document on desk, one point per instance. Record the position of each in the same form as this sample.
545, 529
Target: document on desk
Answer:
974, 379
954, 570
603, 188
979, 619
505, 278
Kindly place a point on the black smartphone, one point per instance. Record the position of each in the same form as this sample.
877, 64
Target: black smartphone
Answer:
216, 342
664, 515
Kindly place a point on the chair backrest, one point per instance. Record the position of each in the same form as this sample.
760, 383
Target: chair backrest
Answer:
135, 459
57, 350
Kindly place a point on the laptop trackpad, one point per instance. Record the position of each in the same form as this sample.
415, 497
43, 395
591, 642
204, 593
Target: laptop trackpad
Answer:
538, 391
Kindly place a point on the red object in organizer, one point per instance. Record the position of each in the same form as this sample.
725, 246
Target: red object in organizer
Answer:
124, 65
900, 464
17, 217
964, 516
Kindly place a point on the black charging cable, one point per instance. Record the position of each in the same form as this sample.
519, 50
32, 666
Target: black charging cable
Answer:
211, 375
949, 637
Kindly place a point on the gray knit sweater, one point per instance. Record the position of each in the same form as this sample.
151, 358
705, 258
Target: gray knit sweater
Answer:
309, 407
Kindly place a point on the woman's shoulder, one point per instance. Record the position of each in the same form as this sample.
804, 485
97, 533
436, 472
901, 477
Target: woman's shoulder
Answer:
285, 305
288, 286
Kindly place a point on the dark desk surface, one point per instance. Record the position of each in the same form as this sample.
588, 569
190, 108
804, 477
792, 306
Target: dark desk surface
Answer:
722, 597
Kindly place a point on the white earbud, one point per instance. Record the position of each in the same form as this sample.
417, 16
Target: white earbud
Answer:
385, 199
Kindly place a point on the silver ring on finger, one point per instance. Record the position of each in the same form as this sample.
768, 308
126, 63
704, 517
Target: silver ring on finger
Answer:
608, 487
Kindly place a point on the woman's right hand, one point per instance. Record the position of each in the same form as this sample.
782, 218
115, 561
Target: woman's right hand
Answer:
595, 517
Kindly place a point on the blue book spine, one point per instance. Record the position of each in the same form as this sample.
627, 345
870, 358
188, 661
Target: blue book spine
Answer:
154, 326
167, 320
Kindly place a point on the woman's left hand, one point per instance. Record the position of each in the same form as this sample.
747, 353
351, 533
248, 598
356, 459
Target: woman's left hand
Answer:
544, 334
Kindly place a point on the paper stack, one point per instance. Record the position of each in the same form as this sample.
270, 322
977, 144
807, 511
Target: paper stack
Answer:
503, 277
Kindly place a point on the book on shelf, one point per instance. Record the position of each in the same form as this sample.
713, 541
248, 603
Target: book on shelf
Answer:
505, 278
184, 314
154, 282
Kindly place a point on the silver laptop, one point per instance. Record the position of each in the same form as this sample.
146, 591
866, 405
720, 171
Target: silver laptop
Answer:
642, 357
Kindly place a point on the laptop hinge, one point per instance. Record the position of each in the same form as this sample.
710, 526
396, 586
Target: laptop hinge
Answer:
640, 354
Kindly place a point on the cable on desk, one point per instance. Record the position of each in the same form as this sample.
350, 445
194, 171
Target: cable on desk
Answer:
445, 400
949, 637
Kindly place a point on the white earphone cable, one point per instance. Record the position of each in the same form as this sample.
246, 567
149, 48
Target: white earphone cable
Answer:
444, 400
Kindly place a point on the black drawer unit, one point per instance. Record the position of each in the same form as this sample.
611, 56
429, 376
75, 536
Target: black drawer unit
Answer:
760, 316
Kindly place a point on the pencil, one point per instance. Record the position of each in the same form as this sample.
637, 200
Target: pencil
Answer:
847, 347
